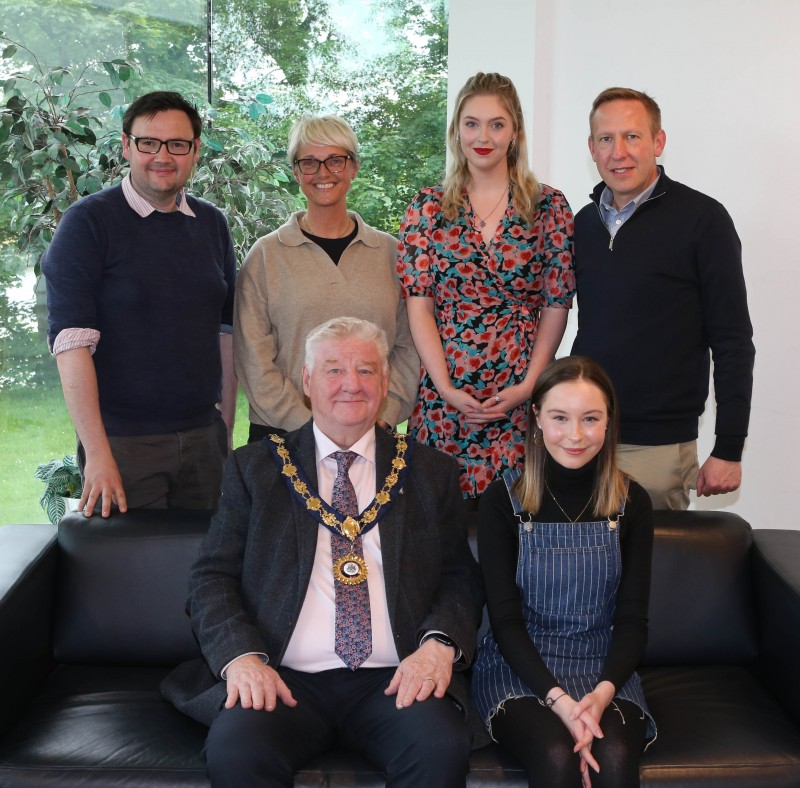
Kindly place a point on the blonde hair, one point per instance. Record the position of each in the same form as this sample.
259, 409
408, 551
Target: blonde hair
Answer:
322, 130
609, 483
523, 184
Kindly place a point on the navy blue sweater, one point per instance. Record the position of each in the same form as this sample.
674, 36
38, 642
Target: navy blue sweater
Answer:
654, 302
157, 289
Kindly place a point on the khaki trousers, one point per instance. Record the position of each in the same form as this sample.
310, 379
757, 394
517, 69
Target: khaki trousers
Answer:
666, 472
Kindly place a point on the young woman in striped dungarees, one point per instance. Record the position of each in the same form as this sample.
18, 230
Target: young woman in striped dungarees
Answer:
565, 546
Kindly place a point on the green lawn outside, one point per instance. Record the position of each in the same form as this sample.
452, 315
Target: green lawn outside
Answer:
35, 428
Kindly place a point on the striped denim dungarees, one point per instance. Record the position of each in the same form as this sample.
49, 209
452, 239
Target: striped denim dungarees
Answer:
568, 575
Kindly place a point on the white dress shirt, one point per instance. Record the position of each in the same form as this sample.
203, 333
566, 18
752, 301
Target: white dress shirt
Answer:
311, 647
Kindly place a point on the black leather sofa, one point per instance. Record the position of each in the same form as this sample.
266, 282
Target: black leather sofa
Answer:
92, 620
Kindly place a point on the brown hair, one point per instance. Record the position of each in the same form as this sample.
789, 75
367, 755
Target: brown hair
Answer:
628, 94
150, 104
609, 484
523, 184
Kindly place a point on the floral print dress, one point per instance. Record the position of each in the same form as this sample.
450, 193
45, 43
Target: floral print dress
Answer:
487, 300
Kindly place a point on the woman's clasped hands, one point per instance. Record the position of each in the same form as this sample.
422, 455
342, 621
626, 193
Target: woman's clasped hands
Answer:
582, 720
486, 410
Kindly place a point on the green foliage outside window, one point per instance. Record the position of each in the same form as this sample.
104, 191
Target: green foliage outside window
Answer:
273, 60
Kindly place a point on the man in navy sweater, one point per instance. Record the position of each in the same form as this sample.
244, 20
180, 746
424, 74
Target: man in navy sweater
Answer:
660, 292
140, 286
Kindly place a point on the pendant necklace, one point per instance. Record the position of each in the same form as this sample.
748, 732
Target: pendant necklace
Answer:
481, 221
580, 514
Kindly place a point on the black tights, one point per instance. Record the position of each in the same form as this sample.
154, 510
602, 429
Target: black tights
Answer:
538, 739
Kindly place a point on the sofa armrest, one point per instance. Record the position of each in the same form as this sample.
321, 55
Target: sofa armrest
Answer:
27, 580
776, 572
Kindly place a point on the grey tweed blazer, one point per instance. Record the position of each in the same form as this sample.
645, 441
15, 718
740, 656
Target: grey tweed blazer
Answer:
248, 584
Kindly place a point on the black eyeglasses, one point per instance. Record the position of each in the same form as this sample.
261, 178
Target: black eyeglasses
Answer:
333, 164
153, 145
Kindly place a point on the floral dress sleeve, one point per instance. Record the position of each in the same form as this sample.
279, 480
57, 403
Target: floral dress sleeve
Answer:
413, 261
555, 215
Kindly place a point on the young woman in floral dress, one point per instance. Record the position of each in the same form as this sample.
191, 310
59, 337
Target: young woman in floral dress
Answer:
485, 261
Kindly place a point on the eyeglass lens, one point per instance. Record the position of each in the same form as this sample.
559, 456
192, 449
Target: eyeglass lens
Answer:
153, 145
334, 164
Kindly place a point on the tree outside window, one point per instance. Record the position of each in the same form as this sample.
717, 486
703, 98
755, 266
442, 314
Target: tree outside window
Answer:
379, 64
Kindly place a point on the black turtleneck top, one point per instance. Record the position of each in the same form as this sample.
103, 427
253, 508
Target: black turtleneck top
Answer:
498, 550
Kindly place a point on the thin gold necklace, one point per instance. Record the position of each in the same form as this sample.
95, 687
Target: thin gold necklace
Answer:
482, 221
580, 514
305, 223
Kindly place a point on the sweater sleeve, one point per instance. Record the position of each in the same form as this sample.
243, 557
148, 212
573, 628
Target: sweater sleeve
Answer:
271, 394
498, 550
633, 595
726, 320
404, 371
73, 271
228, 272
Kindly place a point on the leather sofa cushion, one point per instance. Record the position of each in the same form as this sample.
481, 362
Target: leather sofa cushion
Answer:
718, 723
101, 726
122, 586
702, 601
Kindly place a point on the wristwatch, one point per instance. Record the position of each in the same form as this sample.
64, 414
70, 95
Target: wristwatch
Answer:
442, 638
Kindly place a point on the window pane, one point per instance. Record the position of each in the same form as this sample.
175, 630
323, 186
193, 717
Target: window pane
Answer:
379, 64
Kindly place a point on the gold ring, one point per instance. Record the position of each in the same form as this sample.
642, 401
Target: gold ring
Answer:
428, 679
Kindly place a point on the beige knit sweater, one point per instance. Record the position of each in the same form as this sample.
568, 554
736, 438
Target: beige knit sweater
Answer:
287, 286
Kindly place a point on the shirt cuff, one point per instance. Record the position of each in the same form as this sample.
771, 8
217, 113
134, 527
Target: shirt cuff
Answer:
264, 658
72, 338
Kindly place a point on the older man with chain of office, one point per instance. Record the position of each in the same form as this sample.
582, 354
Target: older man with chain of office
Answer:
335, 598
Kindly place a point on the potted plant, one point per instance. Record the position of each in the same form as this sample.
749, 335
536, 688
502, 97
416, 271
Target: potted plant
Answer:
62, 480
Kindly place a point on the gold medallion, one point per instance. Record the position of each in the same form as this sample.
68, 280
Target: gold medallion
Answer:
350, 569
350, 528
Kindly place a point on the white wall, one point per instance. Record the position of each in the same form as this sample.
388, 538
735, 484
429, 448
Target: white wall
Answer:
726, 75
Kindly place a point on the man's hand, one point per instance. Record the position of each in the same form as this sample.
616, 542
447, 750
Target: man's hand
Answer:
719, 476
255, 685
101, 482
424, 673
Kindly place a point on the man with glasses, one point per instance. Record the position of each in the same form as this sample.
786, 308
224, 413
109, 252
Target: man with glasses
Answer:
140, 287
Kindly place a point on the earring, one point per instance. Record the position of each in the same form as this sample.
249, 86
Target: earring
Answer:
513, 144
538, 437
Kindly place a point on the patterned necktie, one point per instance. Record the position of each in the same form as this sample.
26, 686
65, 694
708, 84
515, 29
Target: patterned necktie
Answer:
353, 624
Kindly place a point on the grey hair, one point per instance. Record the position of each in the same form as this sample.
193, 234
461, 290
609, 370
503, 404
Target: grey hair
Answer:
322, 130
347, 328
